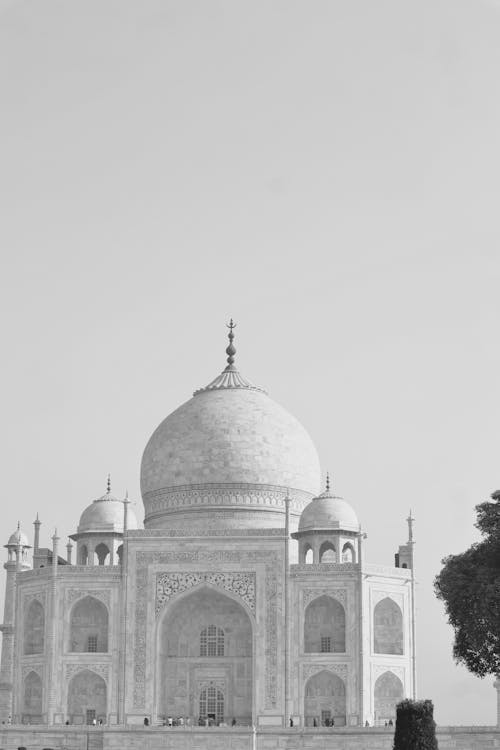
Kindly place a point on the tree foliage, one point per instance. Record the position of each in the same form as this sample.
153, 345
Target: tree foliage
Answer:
469, 585
415, 726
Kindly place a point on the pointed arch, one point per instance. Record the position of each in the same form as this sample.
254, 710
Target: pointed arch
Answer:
102, 553
308, 553
387, 627
327, 553
207, 624
324, 699
388, 691
324, 626
87, 698
33, 699
348, 553
34, 628
89, 626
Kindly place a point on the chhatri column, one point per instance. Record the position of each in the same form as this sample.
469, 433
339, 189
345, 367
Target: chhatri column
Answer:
7, 661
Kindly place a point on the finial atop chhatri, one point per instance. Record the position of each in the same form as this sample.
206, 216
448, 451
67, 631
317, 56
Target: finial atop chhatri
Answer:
328, 482
108, 485
231, 349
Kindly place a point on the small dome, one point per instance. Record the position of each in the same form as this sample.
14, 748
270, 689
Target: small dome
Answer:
105, 514
18, 537
328, 512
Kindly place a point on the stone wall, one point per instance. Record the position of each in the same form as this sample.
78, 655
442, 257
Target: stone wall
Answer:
239, 738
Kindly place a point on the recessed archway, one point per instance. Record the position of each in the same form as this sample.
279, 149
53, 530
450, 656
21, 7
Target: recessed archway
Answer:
88, 626
87, 698
32, 699
324, 700
387, 694
324, 626
387, 627
34, 628
205, 658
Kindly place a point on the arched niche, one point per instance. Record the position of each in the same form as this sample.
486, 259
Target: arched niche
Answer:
205, 640
387, 694
348, 553
102, 553
88, 626
324, 700
387, 627
33, 699
308, 554
327, 553
87, 698
324, 626
83, 555
34, 628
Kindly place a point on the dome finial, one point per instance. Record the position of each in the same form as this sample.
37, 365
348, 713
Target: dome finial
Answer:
328, 481
231, 350
108, 486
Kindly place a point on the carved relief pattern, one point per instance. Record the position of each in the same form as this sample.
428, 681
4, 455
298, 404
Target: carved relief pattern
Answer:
101, 669
73, 594
240, 496
144, 559
310, 669
169, 585
27, 668
202, 684
309, 594
379, 669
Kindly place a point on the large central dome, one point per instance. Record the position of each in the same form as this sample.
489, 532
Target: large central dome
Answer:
228, 457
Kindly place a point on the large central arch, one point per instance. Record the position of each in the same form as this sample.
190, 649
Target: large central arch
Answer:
205, 652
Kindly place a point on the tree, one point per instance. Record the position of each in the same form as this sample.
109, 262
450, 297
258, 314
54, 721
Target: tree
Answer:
415, 726
469, 586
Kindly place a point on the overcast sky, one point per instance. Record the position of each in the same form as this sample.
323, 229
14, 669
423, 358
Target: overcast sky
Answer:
327, 173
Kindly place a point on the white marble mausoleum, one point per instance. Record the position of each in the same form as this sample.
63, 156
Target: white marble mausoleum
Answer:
244, 595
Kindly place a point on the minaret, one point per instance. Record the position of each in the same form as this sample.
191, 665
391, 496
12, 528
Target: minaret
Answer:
36, 543
17, 547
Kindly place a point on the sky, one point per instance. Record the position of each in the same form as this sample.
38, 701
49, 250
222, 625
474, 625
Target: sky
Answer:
326, 172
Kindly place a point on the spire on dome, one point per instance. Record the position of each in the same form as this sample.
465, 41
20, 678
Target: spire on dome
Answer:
230, 377
108, 486
327, 481
231, 350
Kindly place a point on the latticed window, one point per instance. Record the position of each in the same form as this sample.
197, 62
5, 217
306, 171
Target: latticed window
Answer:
212, 641
92, 643
212, 704
326, 644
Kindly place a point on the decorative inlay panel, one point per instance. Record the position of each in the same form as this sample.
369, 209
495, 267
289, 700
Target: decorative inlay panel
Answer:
40, 596
169, 585
205, 558
308, 670
101, 669
104, 595
309, 594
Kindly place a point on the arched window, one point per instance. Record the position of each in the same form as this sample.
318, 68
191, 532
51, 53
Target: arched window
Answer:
212, 704
34, 628
102, 551
347, 553
387, 627
32, 700
89, 626
308, 554
388, 692
84, 555
212, 641
324, 626
327, 553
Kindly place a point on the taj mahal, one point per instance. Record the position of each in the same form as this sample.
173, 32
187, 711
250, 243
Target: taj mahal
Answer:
243, 599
